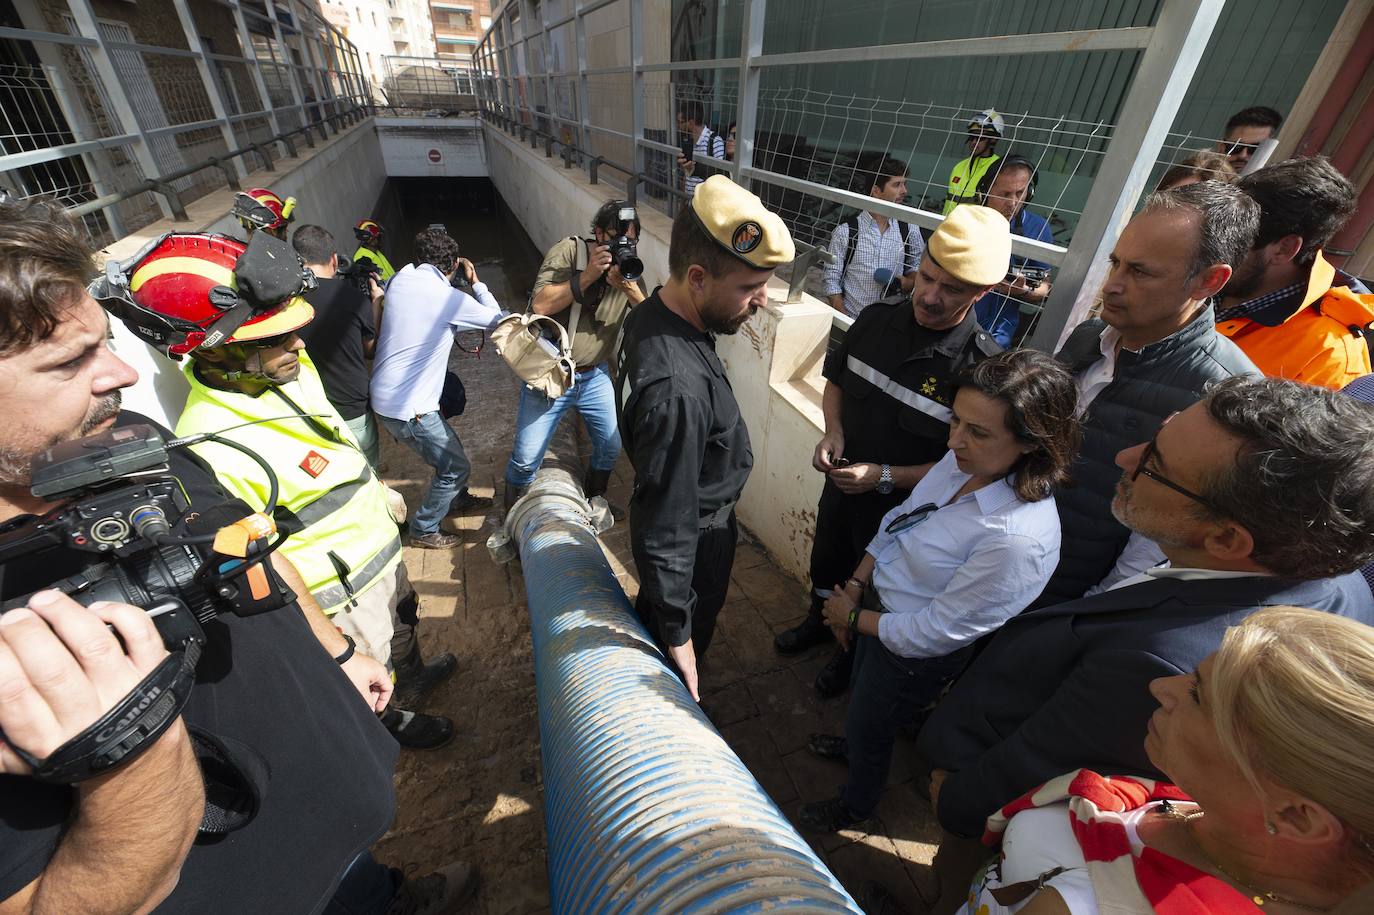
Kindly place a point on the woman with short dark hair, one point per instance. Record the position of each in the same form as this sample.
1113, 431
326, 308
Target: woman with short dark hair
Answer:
972, 546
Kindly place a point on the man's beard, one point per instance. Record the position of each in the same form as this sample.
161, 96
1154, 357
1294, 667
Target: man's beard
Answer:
16, 464
1121, 511
1244, 281
725, 324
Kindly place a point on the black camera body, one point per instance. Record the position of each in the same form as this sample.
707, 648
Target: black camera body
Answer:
359, 271
120, 503
624, 249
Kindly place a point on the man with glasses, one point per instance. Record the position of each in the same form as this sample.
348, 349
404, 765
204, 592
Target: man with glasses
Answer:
1152, 352
1259, 495
1245, 131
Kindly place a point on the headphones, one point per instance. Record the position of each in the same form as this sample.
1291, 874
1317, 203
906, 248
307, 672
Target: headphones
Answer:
1009, 161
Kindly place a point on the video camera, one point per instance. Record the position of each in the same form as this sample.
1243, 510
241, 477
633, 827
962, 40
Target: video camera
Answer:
359, 271
118, 501
1033, 276
624, 249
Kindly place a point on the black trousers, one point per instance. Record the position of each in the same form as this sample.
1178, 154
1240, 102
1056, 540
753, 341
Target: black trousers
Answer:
887, 691
845, 525
710, 581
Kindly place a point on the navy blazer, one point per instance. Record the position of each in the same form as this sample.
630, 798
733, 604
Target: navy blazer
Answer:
1066, 686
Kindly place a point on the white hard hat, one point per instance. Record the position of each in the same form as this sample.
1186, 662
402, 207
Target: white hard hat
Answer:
989, 118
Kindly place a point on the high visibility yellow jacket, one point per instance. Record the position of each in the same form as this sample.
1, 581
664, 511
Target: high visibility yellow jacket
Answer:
963, 181
1318, 339
347, 540
377, 258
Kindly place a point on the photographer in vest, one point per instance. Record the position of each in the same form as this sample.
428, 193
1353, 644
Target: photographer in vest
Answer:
873, 256
580, 286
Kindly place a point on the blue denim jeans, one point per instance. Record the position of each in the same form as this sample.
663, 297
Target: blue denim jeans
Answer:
594, 398
886, 691
433, 439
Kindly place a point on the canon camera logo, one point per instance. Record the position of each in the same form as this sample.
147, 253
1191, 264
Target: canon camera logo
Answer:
130, 715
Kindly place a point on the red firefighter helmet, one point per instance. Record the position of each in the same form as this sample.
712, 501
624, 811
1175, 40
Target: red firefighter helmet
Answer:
184, 291
368, 231
260, 208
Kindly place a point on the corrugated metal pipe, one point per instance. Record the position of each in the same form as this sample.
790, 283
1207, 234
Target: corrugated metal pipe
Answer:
647, 808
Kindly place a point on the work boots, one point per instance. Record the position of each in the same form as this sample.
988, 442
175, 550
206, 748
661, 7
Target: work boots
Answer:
810, 631
415, 679
595, 484
511, 495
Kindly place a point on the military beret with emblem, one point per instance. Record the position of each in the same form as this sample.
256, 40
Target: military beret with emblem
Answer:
741, 224
973, 243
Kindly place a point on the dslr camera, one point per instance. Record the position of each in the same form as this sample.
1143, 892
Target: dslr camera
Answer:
358, 273
624, 249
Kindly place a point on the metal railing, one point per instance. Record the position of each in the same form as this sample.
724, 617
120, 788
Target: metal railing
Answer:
128, 132
598, 77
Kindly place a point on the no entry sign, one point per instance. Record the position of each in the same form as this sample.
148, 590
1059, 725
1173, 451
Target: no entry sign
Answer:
436, 156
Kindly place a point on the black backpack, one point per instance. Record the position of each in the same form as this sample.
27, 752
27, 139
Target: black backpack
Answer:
853, 223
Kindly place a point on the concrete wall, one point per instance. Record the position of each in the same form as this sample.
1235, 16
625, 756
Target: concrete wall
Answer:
432, 147
333, 183
773, 362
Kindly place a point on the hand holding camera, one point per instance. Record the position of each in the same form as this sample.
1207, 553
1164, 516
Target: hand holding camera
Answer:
598, 262
62, 668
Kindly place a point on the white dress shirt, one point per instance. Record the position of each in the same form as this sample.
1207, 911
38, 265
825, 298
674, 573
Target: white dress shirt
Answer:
969, 567
874, 248
1139, 553
422, 314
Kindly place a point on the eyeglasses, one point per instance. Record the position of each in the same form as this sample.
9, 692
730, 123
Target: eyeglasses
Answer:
1140, 469
1238, 147
269, 342
912, 518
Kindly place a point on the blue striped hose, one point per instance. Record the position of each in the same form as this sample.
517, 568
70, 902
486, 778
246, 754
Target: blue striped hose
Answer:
647, 808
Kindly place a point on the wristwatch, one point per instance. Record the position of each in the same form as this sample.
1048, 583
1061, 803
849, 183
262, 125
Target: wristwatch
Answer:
885, 480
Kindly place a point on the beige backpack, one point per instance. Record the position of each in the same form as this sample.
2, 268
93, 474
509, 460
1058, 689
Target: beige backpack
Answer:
542, 364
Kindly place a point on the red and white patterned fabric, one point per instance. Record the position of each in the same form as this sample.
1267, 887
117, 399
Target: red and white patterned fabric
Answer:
1124, 883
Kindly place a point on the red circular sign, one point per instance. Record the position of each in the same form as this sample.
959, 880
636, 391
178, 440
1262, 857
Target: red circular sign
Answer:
435, 155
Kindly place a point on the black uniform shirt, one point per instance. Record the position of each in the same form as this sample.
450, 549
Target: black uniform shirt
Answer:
896, 379
690, 449
281, 707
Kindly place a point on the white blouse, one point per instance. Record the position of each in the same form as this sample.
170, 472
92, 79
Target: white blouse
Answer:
965, 568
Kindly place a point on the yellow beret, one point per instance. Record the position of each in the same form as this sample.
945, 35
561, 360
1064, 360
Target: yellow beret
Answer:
742, 225
973, 244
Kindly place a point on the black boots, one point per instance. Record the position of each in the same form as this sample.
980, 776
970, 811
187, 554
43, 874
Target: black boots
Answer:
510, 495
595, 483
810, 631
415, 680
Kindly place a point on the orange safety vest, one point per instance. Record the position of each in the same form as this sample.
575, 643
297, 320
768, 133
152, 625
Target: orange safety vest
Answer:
1321, 343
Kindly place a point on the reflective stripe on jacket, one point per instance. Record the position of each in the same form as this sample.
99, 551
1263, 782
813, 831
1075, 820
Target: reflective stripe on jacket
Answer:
345, 539
963, 181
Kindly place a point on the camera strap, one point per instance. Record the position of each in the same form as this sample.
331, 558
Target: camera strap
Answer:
125, 731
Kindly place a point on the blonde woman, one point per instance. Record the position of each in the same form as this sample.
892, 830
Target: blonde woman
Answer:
1271, 809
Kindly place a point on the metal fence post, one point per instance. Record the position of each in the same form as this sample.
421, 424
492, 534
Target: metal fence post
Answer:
207, 76
124, 112
1162, 78
250, 55
583, 92
637, 162
746, 118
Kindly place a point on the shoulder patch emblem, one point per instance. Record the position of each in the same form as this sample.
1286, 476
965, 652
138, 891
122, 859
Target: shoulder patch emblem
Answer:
747, 237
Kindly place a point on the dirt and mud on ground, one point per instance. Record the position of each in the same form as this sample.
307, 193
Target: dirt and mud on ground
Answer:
480, 797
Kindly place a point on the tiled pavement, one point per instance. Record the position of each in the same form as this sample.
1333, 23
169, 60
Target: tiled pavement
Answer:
480, 798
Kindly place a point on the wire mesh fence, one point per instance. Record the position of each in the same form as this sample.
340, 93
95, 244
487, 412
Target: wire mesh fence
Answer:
96, 116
